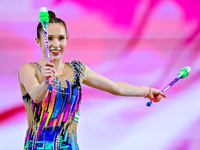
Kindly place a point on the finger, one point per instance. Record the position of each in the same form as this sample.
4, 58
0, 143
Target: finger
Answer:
51, 69
51, 60
47, 73
158, 98
49, 64
48, 68
163, 95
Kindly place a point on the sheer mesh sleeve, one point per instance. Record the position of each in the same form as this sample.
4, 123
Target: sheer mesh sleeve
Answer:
79, 71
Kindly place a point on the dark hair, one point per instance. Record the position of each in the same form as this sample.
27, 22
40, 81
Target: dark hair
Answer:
52, 19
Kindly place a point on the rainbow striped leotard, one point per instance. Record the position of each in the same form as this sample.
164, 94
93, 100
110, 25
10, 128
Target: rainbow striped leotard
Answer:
52, 123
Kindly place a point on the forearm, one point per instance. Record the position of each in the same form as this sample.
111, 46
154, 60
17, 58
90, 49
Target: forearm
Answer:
39, 92
27, 77
126, 89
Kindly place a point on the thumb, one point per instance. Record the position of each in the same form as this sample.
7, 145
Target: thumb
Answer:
51, 60
163, 95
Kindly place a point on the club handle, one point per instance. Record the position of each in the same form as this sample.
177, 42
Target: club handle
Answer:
163, 91
50, 87
149, 103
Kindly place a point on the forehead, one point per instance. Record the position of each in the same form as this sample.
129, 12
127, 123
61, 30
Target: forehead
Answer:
56, 29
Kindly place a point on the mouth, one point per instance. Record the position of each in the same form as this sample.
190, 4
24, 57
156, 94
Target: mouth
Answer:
55, 51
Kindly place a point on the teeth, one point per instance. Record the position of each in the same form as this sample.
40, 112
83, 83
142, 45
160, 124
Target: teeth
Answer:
55, 51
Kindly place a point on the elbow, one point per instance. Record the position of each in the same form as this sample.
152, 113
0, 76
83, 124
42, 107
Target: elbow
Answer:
117, 91
36, 98
36, 101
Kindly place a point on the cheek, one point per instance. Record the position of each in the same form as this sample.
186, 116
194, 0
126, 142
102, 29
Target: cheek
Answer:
63, 45
50, 43
63, 50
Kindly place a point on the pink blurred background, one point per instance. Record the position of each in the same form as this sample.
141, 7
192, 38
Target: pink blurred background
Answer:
142, 42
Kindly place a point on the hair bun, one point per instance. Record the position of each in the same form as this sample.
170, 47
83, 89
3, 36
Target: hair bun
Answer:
51, 14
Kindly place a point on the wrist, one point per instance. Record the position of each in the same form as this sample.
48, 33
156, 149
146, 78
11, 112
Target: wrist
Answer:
45, 81
147, 91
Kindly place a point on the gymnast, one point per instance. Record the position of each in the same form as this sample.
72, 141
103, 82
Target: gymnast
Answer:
53, 115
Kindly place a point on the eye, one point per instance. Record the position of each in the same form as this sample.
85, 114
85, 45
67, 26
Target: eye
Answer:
62, 38
50, 38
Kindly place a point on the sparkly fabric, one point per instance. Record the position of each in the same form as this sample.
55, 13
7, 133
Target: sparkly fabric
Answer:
52, 123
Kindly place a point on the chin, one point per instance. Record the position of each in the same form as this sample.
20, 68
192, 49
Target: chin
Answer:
56, 57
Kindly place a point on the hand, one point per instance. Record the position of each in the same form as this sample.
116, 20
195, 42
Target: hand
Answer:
155, 92
48, 70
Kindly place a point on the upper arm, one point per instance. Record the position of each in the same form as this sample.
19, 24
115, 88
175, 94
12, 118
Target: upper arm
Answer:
27, 77
97, 81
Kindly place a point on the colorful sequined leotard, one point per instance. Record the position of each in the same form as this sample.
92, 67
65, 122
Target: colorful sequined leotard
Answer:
52, 123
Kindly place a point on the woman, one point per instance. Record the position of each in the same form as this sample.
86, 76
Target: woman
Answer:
53, 115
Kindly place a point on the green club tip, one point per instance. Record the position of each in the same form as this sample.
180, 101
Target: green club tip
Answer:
184, 72
44, 15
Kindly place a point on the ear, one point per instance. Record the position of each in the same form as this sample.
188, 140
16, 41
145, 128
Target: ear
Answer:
38, 42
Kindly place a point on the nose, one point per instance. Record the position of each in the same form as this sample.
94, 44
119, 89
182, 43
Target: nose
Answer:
56, 43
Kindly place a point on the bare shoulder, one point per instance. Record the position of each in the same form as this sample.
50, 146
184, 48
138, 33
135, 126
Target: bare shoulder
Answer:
90, 75
26, 70
86, 70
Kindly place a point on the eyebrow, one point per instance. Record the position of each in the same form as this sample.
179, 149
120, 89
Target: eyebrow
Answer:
59, 35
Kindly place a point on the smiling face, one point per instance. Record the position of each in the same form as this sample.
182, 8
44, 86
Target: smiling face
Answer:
57, 40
